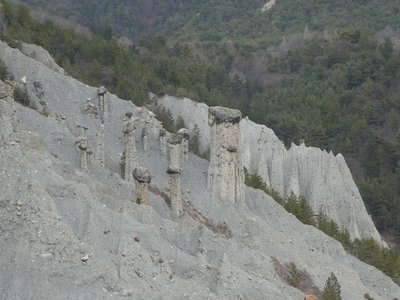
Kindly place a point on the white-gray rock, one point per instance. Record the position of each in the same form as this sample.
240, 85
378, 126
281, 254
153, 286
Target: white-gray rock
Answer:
42, 55
215, 250
323, 178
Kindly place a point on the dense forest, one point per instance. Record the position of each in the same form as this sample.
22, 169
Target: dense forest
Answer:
326, 72
211, 20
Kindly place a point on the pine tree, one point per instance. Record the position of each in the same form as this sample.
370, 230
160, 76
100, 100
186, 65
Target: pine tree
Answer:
294, 275
332, 289
179, 123
165, 116
194, 142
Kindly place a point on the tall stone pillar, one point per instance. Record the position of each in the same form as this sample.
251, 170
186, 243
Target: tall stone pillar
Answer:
174, 170
225, 173
130, 155
83, 147
163, 141
145, 137
101, 93
6, 112
185, 142
142, 178
100, 147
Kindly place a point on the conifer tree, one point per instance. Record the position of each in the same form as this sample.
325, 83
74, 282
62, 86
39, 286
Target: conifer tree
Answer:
179, 123
332, 289
194, 142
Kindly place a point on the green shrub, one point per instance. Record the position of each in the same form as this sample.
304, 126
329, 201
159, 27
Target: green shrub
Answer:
299, 207
367, 250
332, 290
21, 96
194, 142
165, 117
368, 297
179, 123
255, 181
3, 71
294, 275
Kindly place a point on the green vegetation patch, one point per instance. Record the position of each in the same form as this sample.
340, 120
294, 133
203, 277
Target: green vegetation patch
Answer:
367, 250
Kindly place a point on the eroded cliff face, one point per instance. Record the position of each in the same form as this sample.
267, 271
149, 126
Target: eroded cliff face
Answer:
323, 178
69, 233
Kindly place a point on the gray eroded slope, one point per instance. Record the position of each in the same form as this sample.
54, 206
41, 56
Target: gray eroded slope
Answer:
323, 178
53, 217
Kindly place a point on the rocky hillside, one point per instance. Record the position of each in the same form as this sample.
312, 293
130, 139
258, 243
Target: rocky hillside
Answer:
71, 226
323, 178
337, 88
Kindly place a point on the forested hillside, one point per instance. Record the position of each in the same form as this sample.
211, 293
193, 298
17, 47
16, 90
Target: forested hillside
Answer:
333, 80
214, 20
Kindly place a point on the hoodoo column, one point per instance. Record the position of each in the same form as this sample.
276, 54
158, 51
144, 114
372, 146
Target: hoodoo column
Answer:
145, 137
6, 112
130, 155
100, 147
163, 141
83, 148
100, 135
101, 93
175, 171
142, 178
225, 173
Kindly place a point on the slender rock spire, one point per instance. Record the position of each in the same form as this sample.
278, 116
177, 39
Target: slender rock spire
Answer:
163, 141
145, 137
130, 155
6, 112
100, 147
83, 148
101, 93
174, 170
225, 173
